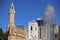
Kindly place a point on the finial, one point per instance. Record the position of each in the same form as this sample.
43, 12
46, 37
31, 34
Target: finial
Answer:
12, 10
12, 5
33, 20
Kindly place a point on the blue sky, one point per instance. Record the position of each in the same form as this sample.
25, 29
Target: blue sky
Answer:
26, 11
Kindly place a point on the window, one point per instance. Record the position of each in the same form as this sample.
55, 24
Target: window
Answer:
31, 28
12, 7
35, 28
55, 35
40, 32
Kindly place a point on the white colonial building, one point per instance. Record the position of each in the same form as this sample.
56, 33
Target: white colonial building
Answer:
32, 31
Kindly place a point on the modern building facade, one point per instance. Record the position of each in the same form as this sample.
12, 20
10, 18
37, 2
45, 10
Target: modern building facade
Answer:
59, 32
40, 22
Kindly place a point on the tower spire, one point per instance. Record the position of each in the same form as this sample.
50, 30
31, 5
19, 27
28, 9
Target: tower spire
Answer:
12, 14
12, 5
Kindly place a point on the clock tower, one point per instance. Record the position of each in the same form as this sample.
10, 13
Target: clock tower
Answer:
33, 31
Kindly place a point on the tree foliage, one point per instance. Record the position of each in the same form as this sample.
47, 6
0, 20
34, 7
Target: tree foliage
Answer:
3, 35
6, 35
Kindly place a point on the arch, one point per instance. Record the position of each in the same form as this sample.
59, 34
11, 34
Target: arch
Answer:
31, 28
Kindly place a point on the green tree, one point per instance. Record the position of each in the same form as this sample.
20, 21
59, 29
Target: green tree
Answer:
6, 35
1, 34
